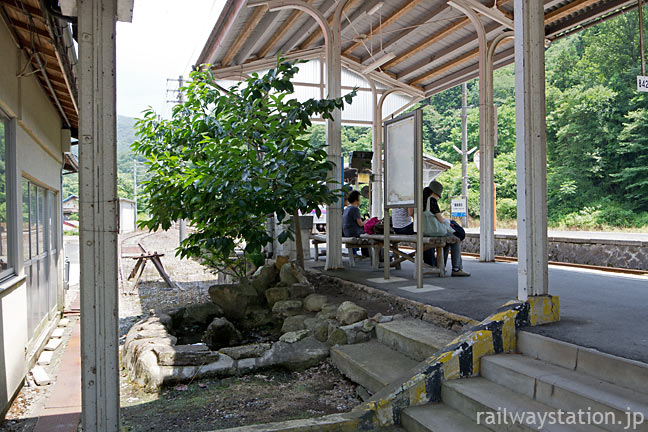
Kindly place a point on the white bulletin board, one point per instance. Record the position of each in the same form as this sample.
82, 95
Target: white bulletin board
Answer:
400, 161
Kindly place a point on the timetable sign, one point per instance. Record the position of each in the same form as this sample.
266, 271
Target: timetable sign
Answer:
459, 207
642, 83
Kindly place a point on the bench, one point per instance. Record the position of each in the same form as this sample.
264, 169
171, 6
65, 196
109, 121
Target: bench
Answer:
398, 240
349, 242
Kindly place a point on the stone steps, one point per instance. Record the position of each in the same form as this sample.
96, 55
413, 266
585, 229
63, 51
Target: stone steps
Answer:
371, 364
547, 376
415, 338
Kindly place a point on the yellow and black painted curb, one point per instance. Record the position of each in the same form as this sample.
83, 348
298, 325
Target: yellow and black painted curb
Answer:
461, 358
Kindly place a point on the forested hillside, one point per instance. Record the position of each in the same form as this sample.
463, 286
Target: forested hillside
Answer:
597, 131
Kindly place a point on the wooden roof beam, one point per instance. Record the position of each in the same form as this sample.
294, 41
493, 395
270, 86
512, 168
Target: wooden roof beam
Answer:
567, 10
318, 32
428, 17
450, 50
36, 12
431, 40
384, 24
327, 7
242, 37
281, 32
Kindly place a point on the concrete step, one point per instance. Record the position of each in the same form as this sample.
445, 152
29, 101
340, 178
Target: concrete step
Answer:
371, 364
415, 338
476, 397
623, 372
437, 417
566, 389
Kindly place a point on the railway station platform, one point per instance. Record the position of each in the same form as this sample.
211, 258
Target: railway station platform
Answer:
601, 310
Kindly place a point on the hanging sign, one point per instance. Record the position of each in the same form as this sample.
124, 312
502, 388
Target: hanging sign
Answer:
642, 83
363, 178
459, 207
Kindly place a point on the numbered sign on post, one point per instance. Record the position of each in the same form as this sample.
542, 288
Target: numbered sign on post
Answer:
459, 207
642, 83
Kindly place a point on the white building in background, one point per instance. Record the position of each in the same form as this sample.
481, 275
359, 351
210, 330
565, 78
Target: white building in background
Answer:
126, 215
38, 116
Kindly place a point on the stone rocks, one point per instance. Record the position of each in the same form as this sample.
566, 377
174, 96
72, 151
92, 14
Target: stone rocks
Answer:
200, 314
293, 323
234, 299
184, 355
286, 308
264, 277
315, 302
246, 351
281, 261
336, 336
294, 336
273, 295
258, 316
221, 333
349, 313
318, 327
329, 311
300, 290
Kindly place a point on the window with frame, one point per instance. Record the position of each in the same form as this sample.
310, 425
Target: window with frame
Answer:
6, 264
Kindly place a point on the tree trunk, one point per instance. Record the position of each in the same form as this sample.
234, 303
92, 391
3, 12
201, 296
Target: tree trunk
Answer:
298, 240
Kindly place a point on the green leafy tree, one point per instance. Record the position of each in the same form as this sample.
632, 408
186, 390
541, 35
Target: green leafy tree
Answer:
634, 145
228, 158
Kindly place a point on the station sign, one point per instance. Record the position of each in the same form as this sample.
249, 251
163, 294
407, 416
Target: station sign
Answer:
642, 83
459, 207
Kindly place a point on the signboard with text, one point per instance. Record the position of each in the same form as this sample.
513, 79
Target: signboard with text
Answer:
642, 83
459, 207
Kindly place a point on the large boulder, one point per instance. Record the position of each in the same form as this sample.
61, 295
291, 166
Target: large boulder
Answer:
273, 295
221, 333
315, 302
300, 290
200, 314
336, 336
293, 323
300, 355
264, 277
286, 308
234, 299
291, 273
349, 313
184, 355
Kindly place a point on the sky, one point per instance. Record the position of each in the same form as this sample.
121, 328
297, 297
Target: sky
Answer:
163, 41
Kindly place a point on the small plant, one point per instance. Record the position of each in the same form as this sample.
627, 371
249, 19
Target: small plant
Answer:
228, 158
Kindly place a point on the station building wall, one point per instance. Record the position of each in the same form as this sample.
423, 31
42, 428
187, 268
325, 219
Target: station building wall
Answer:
31, 280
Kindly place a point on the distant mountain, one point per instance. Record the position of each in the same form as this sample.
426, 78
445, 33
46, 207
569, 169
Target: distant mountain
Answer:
125, 133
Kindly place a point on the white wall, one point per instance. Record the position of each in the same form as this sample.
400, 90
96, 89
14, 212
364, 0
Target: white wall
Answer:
37, 128
126, 216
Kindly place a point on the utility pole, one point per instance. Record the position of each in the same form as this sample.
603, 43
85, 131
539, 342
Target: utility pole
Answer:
135, 189
641, 39
182, 223
464, 148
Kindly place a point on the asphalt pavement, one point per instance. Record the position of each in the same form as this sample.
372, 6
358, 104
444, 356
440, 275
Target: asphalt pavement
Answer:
599, 310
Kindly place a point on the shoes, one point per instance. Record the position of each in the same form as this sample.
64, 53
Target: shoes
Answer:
460, 272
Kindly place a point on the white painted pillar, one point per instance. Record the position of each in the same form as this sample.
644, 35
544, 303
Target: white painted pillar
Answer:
334, 139
99, 223
486, 141
531, 149
376, 163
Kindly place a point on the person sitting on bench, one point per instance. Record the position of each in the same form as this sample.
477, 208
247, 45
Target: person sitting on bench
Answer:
352, 223
436, 189
402, 223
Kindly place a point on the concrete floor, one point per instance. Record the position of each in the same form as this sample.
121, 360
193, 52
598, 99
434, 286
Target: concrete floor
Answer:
599, 310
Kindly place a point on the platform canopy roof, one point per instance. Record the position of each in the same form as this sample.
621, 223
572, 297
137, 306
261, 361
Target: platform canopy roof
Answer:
420, 46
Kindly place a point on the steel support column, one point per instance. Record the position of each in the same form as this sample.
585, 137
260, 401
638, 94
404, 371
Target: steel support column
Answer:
376, 162
333, 42
531, 149
486, 139
98, 211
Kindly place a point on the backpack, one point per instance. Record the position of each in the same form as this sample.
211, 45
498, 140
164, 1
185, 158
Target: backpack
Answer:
370, 225
458, 230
